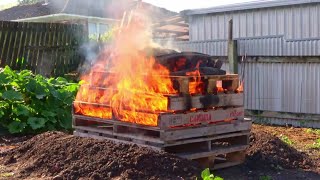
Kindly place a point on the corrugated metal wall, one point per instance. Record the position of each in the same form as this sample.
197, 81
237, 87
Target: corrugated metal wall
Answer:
282, 87
280, 31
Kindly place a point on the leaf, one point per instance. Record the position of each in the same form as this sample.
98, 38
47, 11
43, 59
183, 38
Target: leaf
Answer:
12, 95
62, 80
1, 113
21, 110
15, 84
36, 123
25, 74
48, 113
4, 79
72, 88
16, 127
8, 71
36, 88
65, 119
205, 173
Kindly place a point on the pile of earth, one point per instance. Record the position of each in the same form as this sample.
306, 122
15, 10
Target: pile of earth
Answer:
267, 150
63, 156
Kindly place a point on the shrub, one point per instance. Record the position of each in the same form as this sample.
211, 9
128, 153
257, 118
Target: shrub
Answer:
32, 103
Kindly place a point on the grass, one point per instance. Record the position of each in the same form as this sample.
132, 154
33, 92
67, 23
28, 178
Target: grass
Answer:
6, 175
286, 140
313, 131
315, 145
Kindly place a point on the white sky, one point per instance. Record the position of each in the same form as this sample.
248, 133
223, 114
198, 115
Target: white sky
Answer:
177, 5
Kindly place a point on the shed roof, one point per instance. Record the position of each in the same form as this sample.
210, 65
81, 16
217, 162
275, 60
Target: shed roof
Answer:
112, 9
248, 5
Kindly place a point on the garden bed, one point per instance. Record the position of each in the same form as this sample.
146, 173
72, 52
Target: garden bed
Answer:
61, 155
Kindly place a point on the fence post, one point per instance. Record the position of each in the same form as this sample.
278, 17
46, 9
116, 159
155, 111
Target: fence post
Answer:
232, 50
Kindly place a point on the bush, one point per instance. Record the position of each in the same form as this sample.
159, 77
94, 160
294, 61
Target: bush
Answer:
32, 103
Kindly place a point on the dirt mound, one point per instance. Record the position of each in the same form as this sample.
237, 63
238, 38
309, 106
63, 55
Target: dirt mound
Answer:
63, 156
267, 151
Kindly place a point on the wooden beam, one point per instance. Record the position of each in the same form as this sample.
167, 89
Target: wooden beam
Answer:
168, 22
232, 50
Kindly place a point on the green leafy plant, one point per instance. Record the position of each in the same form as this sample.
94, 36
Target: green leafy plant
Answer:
206, 175
313, 131
286, 140
32, 103
265, 178
315, 145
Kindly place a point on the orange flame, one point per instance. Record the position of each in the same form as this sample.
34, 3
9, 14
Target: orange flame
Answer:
132, 83
240, 88
196, 86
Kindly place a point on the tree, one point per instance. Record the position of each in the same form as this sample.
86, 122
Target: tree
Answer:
24, 2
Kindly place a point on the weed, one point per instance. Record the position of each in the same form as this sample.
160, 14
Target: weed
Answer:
286, 140
265, 178
313, 131
206, 175
315, 145
6, 175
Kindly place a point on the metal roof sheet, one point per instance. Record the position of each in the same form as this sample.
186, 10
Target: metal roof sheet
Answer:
248, 5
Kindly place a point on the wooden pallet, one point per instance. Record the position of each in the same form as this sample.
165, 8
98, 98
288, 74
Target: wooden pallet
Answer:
217, 151
230, 82
167, 131
183, 102
182, 120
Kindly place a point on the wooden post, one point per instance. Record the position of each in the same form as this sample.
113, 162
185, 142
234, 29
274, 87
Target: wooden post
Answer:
232, 51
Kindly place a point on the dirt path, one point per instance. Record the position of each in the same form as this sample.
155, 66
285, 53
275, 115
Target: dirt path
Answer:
274, 153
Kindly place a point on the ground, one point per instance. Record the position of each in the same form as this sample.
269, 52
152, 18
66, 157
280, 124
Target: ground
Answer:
274, 153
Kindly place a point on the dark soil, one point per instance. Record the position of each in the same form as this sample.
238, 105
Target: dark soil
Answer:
64, 156
57, 155
274, 153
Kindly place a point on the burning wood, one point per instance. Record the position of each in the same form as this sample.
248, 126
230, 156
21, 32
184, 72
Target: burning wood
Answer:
131, 85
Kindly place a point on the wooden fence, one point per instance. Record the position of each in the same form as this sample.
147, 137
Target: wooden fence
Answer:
49, 49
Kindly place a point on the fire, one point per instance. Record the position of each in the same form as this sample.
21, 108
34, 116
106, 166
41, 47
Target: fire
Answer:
240, 88
132, 85
196, 86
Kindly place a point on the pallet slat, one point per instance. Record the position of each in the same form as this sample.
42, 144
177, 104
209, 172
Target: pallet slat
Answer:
167, 121
204, 101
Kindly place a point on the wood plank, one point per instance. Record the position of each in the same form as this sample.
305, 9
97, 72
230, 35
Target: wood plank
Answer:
126, 135
225, 165
94, 136
168, 121
214, 152
237, 126
204, 101
117, 122
56, 51
41, 43
15, 46
215, 137
2, 37
25, 51
9, 44
32, 42
21, 43
61, 54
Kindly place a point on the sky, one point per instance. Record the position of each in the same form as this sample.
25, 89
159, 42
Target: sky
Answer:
176, 5
3, 2
179, 5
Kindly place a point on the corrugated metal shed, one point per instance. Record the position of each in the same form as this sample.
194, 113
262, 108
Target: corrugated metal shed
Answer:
272, 28
281, 87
